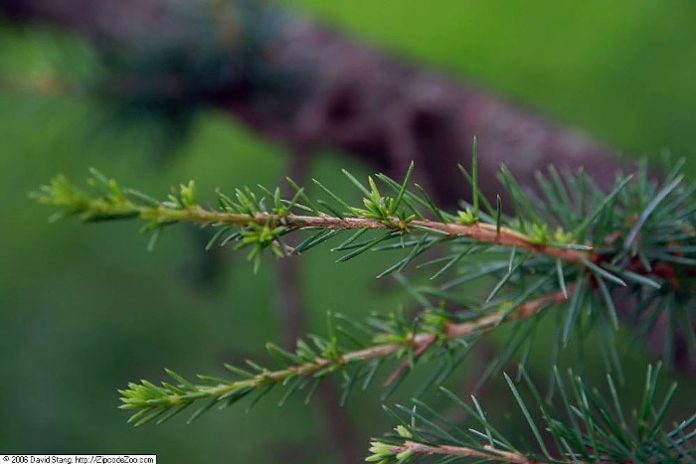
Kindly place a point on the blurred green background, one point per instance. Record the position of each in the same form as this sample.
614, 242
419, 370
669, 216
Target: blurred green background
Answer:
84, 310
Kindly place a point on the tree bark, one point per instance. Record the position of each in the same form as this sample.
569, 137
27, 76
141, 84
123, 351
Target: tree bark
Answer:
355, 98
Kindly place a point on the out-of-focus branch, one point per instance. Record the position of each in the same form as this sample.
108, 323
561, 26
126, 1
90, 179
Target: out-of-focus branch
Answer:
352, 97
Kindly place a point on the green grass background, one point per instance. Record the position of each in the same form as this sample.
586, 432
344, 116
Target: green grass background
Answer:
84, 310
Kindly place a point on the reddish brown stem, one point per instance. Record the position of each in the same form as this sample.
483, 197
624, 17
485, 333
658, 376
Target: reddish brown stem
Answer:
490, 453
486, 233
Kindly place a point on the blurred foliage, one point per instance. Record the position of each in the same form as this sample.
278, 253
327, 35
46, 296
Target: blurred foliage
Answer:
82, 308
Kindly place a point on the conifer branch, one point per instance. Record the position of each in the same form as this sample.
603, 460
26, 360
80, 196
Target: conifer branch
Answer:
155, 402
118, 204
581, 426
639, 235
480, 232
414, 449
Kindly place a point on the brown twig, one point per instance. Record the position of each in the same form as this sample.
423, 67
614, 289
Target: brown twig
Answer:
491, 453
482, 232
458, 330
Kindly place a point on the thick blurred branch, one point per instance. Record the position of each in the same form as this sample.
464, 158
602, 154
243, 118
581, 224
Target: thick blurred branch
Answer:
347, 95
